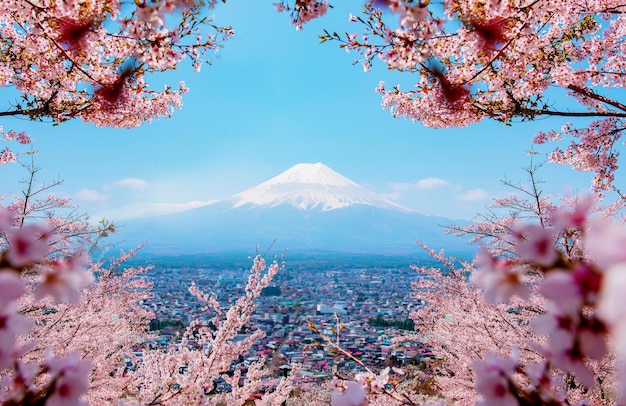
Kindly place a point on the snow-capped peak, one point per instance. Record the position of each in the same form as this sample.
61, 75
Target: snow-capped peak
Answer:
310, 186
316, 174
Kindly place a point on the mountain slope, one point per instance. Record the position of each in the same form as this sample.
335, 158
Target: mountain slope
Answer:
311, 187
308, 207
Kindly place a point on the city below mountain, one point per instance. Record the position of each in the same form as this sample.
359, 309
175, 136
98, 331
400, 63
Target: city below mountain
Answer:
307, 208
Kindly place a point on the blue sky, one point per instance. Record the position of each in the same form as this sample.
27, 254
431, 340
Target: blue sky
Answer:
275, 97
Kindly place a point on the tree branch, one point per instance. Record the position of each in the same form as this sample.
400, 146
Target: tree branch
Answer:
21, 112
593, 95
540, 112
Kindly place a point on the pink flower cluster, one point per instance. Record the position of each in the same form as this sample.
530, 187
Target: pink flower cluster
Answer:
64, 54
6, 155
592, 149
210, 352
303, 11
26, 251
585, 299
365, 387
497, 59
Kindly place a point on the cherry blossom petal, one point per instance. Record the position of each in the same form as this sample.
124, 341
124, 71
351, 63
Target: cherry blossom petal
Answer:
71, 376
612, 300
561, 287
605, 242
352, 395
11, 286
64, 279
28, 244
535, 244
499, 280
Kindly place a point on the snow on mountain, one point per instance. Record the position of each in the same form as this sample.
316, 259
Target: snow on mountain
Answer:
311, 186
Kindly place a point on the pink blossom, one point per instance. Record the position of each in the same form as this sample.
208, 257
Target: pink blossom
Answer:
588, 280
7, 351
74, 33
605, 241
11, 286
492, 380
71, 380
28, 244
12, 323
22, 137
559, 326
574, 364
561, 287
576, 218
566, 349
64, 279
6, 219
397, 371
535, 244
25, 374
352, 395
153, 16
7, 157
499, 280
373, 382
544, 382
593, 343
304, 11
365, 378
612, 309
612, 299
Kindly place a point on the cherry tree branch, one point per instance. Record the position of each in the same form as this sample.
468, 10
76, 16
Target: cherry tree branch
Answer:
596, 96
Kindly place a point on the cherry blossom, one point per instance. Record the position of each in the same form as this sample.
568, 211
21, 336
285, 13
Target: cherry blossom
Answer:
535, 244
352, 394
610, 306
11, 286
562, 339
70, 375
564, 218
506, 61
12, 323
159, 374
303, 11
605, 241
563, 289
500, 280
89, 59
28, 244
493, 380
64, 279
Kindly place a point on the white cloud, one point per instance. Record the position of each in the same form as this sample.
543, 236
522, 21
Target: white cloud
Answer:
430, 183
90, 195
473, 195
132, 183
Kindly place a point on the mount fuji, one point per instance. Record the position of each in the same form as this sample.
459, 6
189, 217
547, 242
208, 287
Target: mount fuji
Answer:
307, 208
311, 187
